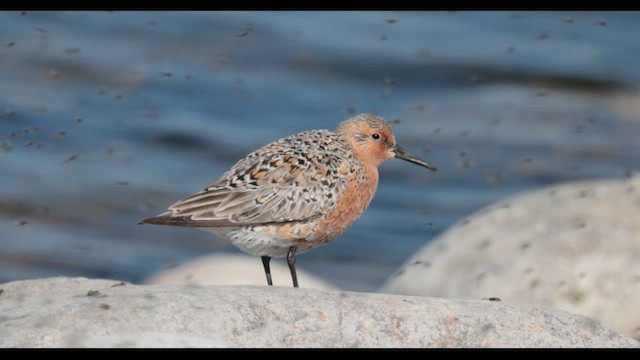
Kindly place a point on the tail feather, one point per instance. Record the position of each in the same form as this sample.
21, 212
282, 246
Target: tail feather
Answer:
167, 218
162, 219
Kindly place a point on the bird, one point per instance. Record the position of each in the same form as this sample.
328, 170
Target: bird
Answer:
296, 193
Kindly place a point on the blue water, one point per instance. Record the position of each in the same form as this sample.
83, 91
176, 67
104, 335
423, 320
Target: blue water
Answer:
109, 117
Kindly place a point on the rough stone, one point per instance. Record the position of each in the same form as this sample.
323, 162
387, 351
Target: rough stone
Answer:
58, 312
573, 246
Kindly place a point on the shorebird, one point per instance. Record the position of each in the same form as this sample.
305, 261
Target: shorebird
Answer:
296, 193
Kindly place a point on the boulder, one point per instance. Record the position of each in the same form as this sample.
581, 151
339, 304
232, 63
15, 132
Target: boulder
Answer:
573, 246
58, 312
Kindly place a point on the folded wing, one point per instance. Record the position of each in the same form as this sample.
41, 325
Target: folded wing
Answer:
279, 187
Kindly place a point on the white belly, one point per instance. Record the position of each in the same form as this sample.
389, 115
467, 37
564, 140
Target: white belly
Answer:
253, 241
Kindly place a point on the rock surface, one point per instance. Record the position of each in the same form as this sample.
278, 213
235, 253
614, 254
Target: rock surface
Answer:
142, 340
574, 246
233, 270
61, 311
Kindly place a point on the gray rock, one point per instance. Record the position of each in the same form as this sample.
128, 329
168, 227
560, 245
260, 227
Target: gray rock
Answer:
142, 340
224, 269
574, 246
58, 312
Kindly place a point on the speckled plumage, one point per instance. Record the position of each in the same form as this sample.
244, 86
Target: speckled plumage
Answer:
300, 191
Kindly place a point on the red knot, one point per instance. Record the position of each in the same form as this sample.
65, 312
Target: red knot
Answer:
296, 193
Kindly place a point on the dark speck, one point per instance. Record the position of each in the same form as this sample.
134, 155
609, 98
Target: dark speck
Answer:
6, 146
390, 81
72, 50
185, 141
105, 306
525, 245
246, 31
542, 35
493, 177
534, 283
484, 244
628, 173
70, 158
96, 294
579, 224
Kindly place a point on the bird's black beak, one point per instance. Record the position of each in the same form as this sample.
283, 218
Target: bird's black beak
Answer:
405, 155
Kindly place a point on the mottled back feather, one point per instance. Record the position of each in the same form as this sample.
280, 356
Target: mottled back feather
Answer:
294, 179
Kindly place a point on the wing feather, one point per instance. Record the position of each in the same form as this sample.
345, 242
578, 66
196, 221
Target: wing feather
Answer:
264, 187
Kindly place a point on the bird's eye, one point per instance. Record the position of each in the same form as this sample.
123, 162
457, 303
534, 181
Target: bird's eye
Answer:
375, 136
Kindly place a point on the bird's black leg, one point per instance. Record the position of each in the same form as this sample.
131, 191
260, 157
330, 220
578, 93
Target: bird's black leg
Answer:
291, 260
267, 269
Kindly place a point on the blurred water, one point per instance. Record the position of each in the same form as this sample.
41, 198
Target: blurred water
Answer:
109, 117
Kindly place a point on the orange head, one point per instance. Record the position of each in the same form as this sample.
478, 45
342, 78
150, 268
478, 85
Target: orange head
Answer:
373, 140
